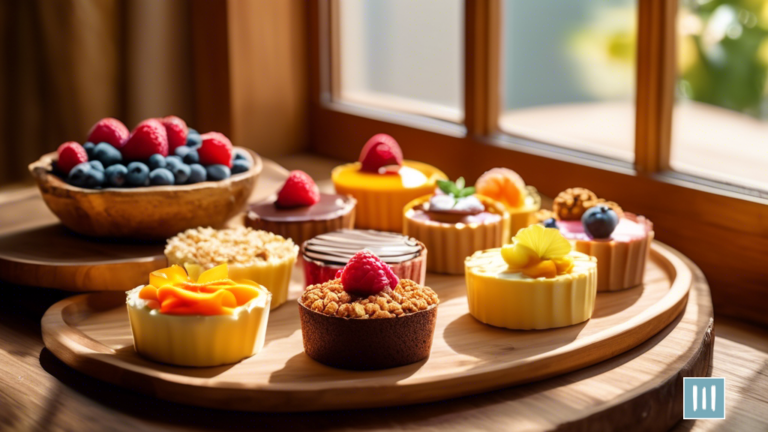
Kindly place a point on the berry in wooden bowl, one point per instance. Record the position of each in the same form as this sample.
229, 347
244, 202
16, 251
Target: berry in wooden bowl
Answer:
130, 187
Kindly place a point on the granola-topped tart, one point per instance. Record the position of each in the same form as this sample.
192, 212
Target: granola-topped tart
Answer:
260, 256
367, 318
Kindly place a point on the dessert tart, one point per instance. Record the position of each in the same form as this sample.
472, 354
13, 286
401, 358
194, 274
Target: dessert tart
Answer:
383, 183
507, 187
620, 241
260, 256
453, 223
368, 318
537, 282
203, 322
326, 254
300, 211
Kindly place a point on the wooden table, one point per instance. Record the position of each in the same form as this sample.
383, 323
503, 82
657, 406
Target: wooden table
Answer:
39, 392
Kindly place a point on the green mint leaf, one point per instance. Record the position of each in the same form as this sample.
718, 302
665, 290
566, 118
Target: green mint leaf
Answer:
467, 192
460, 183
446, 186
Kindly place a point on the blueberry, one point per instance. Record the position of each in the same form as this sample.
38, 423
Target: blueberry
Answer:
94, 179
240, 166
97, 165
193, 138
156, 161
217, 172
550, 223
138, 174
77, 175
197, 174
55, 168
182, 151
161, 177
239, 156
173, 161
600, 221
180, 172
191, 157
89, 146
116, 175
106, 154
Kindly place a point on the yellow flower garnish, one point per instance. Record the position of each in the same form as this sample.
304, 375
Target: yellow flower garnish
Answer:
538, 252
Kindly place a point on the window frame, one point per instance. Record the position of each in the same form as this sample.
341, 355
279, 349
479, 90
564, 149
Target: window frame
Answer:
723, 228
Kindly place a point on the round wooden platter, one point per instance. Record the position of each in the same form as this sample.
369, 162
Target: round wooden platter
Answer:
91, 333
36, 250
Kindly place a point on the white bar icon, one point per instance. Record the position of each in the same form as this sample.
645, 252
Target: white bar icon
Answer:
704, 398
695, 393
712, 395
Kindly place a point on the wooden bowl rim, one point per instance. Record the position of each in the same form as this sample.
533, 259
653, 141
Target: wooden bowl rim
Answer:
41, 170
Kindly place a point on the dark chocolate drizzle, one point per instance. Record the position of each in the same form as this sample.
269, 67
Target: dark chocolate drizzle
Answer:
330, 206
339, 246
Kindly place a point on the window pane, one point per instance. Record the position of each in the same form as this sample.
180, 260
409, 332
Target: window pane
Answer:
405, 55
720, 123
569, 73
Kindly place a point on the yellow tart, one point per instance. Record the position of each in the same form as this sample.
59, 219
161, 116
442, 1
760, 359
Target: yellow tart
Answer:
536, 282
260, 256
203, 322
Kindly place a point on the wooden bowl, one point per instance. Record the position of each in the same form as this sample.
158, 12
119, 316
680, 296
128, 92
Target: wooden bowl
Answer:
145, 213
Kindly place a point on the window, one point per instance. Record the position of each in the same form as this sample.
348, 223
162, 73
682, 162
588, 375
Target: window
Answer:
720, 123
568, 73
402, 55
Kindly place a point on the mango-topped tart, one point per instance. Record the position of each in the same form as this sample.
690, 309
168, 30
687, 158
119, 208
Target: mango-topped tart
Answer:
210, 320
256, 255
536, 282
383, 183
506, 186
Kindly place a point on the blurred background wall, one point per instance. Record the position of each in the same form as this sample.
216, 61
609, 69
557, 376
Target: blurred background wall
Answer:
68, 63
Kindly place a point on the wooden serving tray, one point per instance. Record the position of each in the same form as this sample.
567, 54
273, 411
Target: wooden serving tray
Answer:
91, 333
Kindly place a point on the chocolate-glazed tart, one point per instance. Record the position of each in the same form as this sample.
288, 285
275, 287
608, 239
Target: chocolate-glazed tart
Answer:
327, 253
331, 213
392, 328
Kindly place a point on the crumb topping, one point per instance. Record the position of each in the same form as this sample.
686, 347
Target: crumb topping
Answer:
408, 297
209, 247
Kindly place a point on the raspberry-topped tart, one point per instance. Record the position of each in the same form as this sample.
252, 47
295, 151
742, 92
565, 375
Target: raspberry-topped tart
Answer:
207, 321
383, 183
300, 211
536, 282
620, 241
507, 187
260, 256
328, 253
368, 318
453, 223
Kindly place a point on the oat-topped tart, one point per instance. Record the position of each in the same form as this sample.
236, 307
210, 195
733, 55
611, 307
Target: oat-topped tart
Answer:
367, 318
207, 321
260, 256
536, 282
300, 211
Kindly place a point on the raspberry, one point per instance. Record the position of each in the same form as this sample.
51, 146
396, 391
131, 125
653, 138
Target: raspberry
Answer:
147, 138
109, 130
215, 150
70, 154
177, 130
365, 274
298, 191
381, 151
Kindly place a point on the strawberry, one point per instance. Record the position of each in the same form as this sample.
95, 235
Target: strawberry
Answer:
381, 154
365, 274
215, 149
109, 130
149, 137
70, 154
298, 191
176, 129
